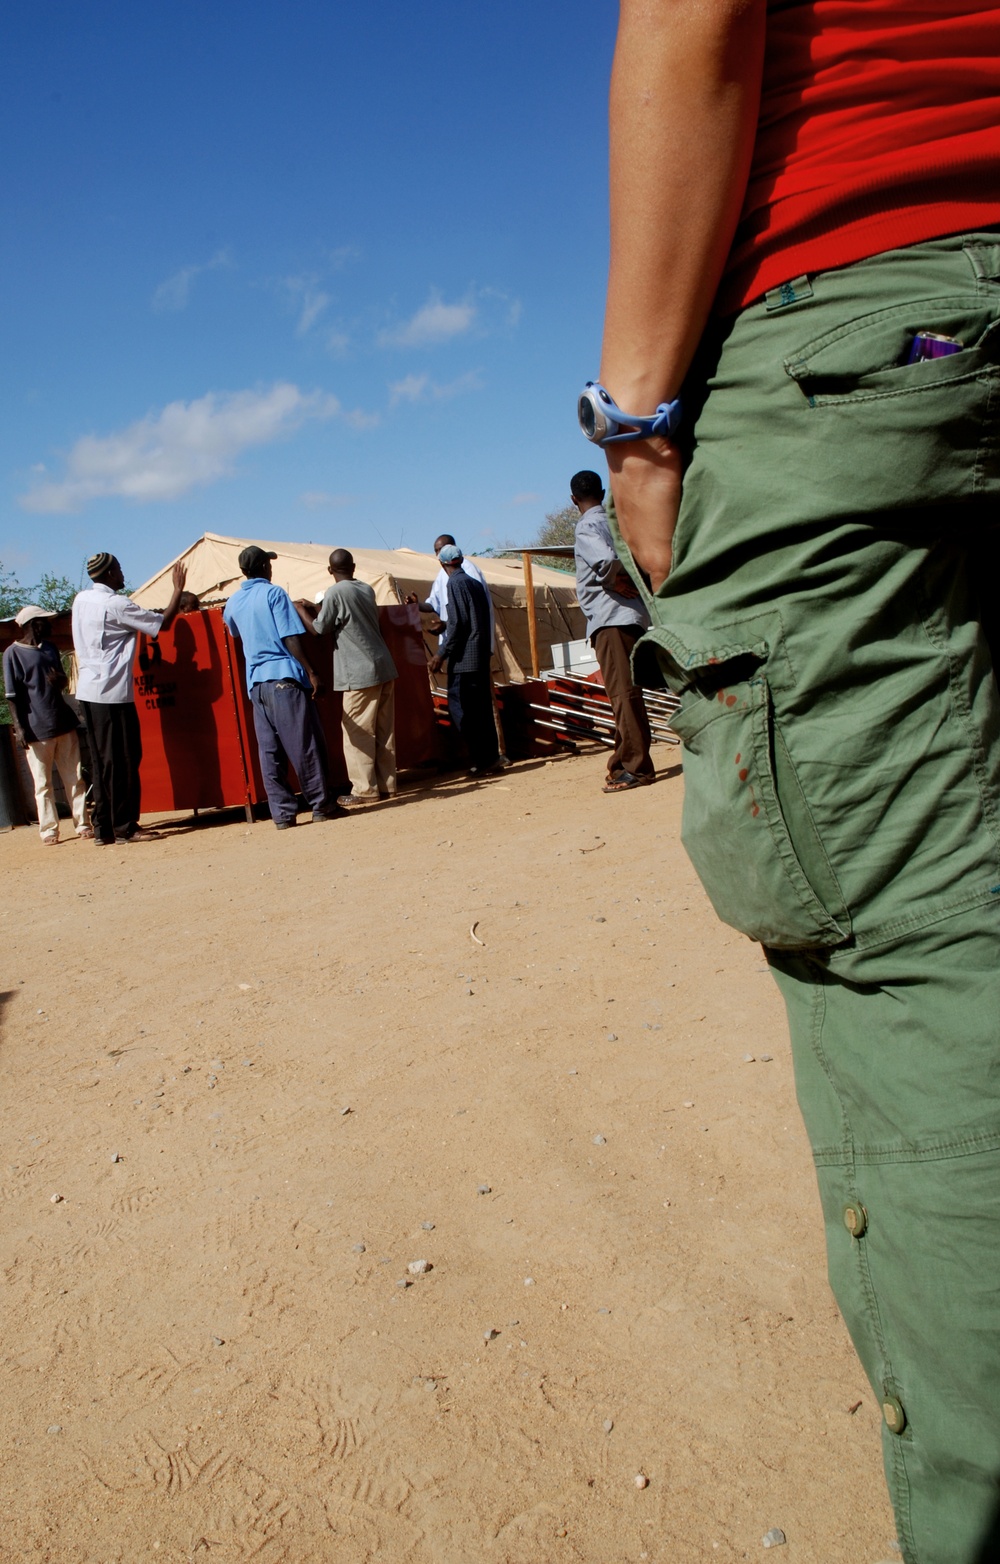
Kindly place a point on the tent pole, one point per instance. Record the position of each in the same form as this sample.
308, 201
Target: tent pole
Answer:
529, 586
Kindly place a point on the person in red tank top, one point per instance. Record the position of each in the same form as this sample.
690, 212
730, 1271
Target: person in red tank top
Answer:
805, 291
878, 127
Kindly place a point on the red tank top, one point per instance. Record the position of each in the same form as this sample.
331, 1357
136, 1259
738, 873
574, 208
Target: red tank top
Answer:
879, 127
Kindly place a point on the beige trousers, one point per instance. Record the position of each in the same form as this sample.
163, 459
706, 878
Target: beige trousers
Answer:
369, 740
63, 753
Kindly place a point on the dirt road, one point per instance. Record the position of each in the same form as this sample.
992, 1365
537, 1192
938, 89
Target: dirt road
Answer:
265, 1072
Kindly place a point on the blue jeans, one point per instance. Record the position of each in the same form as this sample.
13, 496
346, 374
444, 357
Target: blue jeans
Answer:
470, 706
288, 729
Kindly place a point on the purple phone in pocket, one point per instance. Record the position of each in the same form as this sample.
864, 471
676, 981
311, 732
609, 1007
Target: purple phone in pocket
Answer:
928, 344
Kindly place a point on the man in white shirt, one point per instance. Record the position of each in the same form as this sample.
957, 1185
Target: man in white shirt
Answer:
437, 597
105, 627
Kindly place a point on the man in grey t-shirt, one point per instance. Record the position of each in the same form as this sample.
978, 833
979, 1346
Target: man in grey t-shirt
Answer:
615, 620
364, 671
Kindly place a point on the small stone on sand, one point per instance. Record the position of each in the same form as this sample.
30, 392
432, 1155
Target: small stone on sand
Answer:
773, 1538
641, 1480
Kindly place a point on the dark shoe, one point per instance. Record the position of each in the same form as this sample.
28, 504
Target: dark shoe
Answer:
284, 825
320, 815
142, 833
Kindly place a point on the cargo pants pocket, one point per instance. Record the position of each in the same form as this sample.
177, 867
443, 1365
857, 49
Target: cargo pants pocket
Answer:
746, 824
922, 433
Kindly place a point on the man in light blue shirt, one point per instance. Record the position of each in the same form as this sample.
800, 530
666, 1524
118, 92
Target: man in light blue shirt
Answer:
615, 620
282, 686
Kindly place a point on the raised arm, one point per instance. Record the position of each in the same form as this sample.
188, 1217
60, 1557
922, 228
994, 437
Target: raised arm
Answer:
178, 577
685, 93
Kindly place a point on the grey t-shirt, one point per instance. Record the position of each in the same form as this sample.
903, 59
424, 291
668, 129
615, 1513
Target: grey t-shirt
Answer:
596, 569
361, 658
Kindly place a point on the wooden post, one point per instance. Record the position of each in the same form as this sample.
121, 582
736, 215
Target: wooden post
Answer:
529, 585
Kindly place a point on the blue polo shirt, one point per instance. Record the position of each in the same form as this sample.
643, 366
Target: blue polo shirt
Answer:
262, 614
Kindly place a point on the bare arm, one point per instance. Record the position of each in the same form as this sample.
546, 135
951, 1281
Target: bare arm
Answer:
178, 577
296, 644
307, 613
685, 93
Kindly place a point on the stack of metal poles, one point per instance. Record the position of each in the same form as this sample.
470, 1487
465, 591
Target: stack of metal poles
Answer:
583, 711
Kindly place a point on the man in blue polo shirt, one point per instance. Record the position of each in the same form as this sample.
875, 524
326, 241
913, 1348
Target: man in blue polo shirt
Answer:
282, 686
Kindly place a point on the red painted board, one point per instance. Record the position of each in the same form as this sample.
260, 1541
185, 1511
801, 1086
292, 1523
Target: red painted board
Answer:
199, 747
194, 754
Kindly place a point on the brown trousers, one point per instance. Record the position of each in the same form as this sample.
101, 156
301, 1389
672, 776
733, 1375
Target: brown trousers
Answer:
613, 646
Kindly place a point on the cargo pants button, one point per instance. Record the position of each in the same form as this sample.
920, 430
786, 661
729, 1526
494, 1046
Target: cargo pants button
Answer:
895, 1417
855, 1220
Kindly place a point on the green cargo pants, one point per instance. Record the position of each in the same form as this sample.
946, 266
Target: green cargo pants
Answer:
835, 564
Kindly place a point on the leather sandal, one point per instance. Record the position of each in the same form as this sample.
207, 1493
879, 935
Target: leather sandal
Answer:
622, 781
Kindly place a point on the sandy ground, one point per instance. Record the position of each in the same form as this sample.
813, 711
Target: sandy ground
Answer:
310, 1076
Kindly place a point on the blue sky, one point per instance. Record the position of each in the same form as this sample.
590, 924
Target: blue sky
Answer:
318, 272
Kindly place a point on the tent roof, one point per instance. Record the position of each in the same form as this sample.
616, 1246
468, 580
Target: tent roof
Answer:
214, 572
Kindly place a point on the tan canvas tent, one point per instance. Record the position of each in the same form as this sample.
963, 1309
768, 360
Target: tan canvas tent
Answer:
213, 573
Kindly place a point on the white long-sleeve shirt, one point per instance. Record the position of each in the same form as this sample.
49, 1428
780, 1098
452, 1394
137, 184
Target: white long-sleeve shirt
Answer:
105, 626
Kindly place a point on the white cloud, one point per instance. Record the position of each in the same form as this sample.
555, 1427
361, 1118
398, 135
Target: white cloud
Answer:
338, 343
358, 419
313, 305
435, 321
173, 294
319, 499
410, 389
187, 445
417, 388
343, 255
310, 300
526, 498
